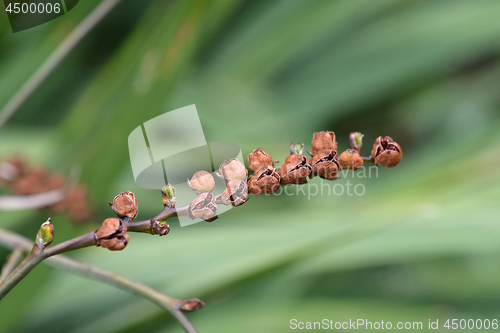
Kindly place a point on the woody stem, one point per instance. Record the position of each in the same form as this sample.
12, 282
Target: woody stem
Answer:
14, 241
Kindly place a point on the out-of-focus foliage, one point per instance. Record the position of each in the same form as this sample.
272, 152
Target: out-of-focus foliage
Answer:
421, 242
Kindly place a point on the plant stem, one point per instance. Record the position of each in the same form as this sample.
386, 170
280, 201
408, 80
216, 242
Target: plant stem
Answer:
38, 254
11, 263
14, 241
55, 59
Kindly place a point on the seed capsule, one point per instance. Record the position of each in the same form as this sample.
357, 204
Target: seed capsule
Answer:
350, 160
295, 170
325, 164
236, 193
201, 181
125, 204
233, 169
323, 140
265, 180
112, 235
259, 158
386, 152
203, 207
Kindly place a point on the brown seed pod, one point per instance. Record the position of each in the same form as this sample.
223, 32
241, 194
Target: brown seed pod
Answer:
233, 169
265, 180
323, 140
236, 193
125, 204
201, 181
350, 160
325, 165
203, 207
295, 170
386, 152
112, 235
259, 158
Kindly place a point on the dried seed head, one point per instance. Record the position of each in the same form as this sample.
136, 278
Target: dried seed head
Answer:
233, 169
295, 170
350, 160
168, 196
259, 158
356, 141
386, 152
202, 181
323, 140
203, 207
265, 180
125, 204
112, 235
325, 164
236, 193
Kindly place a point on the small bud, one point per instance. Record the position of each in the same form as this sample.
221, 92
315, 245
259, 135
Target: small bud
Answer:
265, 180
125, 204
168, 196
203, 207
295, 170
386, 152
112, 235
259, 158
202, 181
323, 140
160, 228
356, 141
191, 305
233, 169
350, 160
325, 165
296, 148
45, 235
236, 193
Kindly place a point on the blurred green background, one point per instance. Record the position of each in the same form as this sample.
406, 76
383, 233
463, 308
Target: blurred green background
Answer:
421, 243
